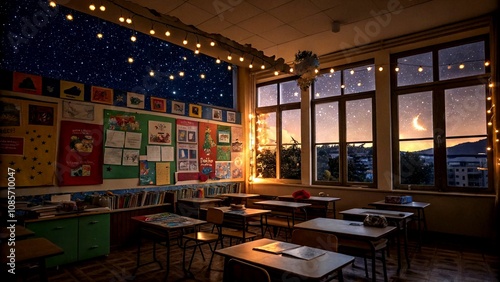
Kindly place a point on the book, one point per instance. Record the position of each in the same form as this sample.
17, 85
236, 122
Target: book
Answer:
276, 247
304, 252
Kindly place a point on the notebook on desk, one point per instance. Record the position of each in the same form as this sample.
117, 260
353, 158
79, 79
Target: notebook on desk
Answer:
276, 247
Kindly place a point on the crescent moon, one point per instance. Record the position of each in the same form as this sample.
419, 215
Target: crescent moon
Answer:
416, 125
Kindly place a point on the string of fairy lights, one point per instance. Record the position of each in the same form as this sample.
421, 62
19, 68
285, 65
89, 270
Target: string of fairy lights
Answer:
129, 18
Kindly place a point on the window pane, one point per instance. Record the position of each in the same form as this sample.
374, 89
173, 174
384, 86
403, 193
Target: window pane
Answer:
465, 111
327, 162
360, 162
360, 79
415, 115
415, 69
266, 162
416, 162
289, 92
326, 122
467, 162
359, 120
327, 85
461, 61
290, 162
266, 129
290, 126
267, 95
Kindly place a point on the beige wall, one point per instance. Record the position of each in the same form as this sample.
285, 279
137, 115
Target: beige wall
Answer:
455, 213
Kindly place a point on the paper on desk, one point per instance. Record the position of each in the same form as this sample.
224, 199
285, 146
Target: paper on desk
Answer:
304, 252
276, 247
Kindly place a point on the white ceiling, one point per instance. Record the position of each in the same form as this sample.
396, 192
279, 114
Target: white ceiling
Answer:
282, 27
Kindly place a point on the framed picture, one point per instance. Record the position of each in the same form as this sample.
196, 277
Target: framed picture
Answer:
231, 117
158, 104
178, 108
194, 111
216, 114
135, 100
101, 95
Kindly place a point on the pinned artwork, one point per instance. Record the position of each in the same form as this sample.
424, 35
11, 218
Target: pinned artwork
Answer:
195, 111
135, 100
72, 90
27, 83
231, 117
158, 104
77, 110
178, 108
216, 114
160, 133
101, 95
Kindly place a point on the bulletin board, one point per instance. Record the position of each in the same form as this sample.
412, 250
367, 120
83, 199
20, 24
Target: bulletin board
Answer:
129, 136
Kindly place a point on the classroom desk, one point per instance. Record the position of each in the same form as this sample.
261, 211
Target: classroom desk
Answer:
242, 216
33, 250
186, 205
238, 198
285, 267
21, 232
288, 207
164, 227
416, 206
400, 219
347, 229
316, 201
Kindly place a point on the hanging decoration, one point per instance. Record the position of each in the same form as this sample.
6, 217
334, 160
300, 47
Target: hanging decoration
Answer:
305, 66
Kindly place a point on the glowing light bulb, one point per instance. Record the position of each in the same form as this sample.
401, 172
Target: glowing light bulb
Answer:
396, 69
332, 70
171, 77
202, 76
92, 7
486, 64
420, 69
490, 85
263, 67
229, 57
185, 41
130, 60
242, 59
276, 73
52, 4
102, 8
167, 33
250, 65
291, 69
181, 73
198, 45
99, 35
380, 68
342, 86
197, 51
369, 68
316, 70
351, 72
229, 68
151, 73
461, 66
69, 17
152, 31
217, 61
359, 83
133, 38
212, 43
128, 20
121, 19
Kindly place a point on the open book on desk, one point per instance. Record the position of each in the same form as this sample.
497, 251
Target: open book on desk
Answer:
289, 249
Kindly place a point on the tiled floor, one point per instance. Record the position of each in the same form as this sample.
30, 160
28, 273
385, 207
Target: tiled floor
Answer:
439, 259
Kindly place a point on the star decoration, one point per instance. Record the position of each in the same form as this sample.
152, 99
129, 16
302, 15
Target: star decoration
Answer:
12, 163
24, 158
119, 98
32, 139
40, 172
109, 168
34, 159
49, 163
32, 177
18, 170
32, 168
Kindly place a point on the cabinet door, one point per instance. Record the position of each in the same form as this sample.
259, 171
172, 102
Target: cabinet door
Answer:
94, 236
63, 233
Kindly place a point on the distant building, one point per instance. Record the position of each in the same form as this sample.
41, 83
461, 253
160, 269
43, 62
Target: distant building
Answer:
467, 171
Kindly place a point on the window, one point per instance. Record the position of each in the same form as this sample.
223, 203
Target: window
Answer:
343, 127
440, 127
278, 131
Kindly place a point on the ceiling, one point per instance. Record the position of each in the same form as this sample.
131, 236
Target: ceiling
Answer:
282, 27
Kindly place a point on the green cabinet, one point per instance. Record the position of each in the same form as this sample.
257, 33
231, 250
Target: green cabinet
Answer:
93, 236
81, 237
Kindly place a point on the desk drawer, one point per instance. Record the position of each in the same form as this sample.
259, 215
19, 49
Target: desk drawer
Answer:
94, 236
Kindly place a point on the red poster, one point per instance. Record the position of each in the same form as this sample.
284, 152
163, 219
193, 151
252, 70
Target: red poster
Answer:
80, 154
27, 83
11, 145
207, 148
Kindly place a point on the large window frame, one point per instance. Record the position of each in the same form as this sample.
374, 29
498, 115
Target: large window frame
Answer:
278, 109
438, 89
343, 144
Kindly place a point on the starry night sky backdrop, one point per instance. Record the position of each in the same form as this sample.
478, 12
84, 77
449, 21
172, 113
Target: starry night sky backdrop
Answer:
70, 50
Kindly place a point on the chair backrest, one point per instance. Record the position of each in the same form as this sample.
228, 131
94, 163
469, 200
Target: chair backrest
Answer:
215, 216
239, 271
315, 239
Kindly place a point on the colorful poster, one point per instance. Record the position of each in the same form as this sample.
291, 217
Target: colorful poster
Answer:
27, 141
147, 172
80, 154
160, 133
162, 173
27, 83
187, 157
237, 165
207, 148
236, 139
223, 170
72, 90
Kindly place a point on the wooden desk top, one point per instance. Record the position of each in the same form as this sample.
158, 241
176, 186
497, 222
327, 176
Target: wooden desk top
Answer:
314, 269
21, 232
239, 195
245, 213
284, 204
167, 220
346, 228
387, 213
200, 200
415, 205
31, 250
313, 198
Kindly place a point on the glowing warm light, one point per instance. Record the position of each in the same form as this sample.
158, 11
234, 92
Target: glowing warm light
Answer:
92, 7
396, 69
181, 73
197, 51
130, 60
52, 4
198, 45
369, 68
332, 70
217, 61
420, 69
416, 125
69, 17
250, 65
99, 35
212, 43
263, 67
449, 67
242, 59
359, 83
461, 66
486, 64
490, 85
342, 86
291, 69
229, 57
151, 73
121, 19
129, 20
380, 68
202, 76
152, 31
229, 68
316, 70
276, 73
133, 38
167, 33
171, 77
185, 42
351, 72
102, 8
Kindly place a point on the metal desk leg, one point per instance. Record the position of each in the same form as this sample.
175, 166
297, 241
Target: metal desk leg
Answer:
405, 226
398, 243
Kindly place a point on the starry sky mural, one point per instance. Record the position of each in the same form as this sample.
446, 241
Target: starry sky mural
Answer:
38, 39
